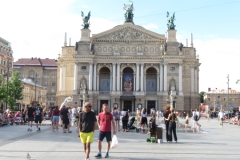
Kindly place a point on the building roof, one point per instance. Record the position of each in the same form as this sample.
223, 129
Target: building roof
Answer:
30, 82
231, 91
36, 62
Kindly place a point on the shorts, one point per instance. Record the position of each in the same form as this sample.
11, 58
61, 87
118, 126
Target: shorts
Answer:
31, 119
144, 120
102, 135
55, 118
86, 137
38, 119
195, 118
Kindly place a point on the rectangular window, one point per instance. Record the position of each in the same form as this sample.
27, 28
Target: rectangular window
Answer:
45, 83
53, 76
45, 76
52, 90
83, 67
172, 69
52, 83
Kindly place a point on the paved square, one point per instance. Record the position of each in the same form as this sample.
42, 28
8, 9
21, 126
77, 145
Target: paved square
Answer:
213, 142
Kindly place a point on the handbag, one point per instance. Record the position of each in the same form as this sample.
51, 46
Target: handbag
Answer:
114, 143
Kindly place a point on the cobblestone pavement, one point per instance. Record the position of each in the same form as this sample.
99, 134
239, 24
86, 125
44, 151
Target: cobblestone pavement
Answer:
212, 142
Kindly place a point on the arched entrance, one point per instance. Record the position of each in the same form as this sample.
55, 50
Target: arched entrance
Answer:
104, 80
151, 87
127, 97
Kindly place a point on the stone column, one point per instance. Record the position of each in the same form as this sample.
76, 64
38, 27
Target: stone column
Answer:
95, 77
114, 76
97, 81
165, 76
192, 79
60, 79
142, 74
161, 77
118, 76
157, 82
75, 76
121, 82
90, 75
111, 81
134, 82
180, 77
195, 79
137, 77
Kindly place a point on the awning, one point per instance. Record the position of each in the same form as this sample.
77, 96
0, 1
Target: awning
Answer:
127, 98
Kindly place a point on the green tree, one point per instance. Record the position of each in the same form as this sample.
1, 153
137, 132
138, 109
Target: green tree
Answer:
15, 89
201, 96
2, 91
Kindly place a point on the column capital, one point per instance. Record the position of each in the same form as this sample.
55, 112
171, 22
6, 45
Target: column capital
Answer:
192, 66
161, 63
118, 63
137, 63
76, 63
142, 64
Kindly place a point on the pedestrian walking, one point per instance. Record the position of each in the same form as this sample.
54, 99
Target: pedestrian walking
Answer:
65, 115
116, 116
125, 117
153, 114
186, 122
55, 118
105, 119
30, 112
86, 127
221, 117
172, 126
165, 116
38, 116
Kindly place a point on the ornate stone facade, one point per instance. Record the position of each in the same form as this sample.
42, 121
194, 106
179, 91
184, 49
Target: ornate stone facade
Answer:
130, 67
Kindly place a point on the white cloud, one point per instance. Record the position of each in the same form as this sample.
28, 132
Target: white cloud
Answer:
151, 26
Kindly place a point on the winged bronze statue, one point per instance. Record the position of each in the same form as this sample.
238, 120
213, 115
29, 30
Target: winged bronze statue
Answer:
171, 20
86, 19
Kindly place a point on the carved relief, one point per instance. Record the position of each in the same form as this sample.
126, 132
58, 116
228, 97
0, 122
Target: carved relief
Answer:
108, 65
139, 48
185, 70
99, 49
151, 49
127, 34
133, 49
128, 49
131, 65
104, 49
123, 49
145, 49
70, 70
187, 52
156, 66
110, 49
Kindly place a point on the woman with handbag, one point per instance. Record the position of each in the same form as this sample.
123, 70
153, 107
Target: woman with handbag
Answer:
125, 116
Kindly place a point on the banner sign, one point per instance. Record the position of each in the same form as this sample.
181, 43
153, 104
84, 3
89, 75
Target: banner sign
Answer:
127, 82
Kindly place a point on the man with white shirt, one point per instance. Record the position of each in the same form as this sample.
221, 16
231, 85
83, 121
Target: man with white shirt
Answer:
221, 117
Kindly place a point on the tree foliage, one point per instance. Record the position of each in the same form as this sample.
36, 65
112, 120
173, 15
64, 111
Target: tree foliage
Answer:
15, 89
201, 96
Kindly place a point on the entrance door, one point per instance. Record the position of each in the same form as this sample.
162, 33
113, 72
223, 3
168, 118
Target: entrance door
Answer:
101, 103
128, 105
150, 105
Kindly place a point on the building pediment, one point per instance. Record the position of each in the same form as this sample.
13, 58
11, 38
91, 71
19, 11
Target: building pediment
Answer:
128, 32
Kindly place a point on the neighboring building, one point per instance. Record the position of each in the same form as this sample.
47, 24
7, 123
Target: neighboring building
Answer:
46, 71
6, 56
219, 99
129, 66
30, 92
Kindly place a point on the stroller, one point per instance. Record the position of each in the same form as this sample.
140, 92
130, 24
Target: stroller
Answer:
130, 125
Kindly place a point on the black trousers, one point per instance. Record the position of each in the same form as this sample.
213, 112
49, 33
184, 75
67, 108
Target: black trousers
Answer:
167, 127
124, 124
172, 130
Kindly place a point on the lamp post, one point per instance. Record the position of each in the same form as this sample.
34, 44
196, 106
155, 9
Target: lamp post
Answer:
7, 74
228, 94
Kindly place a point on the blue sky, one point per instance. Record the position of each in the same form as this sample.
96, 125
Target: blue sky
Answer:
36, 28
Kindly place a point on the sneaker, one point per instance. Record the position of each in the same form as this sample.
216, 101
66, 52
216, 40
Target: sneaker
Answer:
28, 129
99, 155
106, 155
39, 129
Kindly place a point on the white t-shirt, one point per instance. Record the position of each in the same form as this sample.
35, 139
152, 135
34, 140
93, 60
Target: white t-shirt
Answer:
221, 114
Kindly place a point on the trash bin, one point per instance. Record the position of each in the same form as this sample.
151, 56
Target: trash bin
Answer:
159, 133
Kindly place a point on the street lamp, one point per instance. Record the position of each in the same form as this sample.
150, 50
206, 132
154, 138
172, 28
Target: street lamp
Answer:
7, 74
228, 93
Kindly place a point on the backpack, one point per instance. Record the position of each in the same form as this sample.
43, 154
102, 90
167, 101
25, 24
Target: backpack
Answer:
126, 116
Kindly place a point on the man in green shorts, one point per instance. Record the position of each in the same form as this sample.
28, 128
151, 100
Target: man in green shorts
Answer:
86, 127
